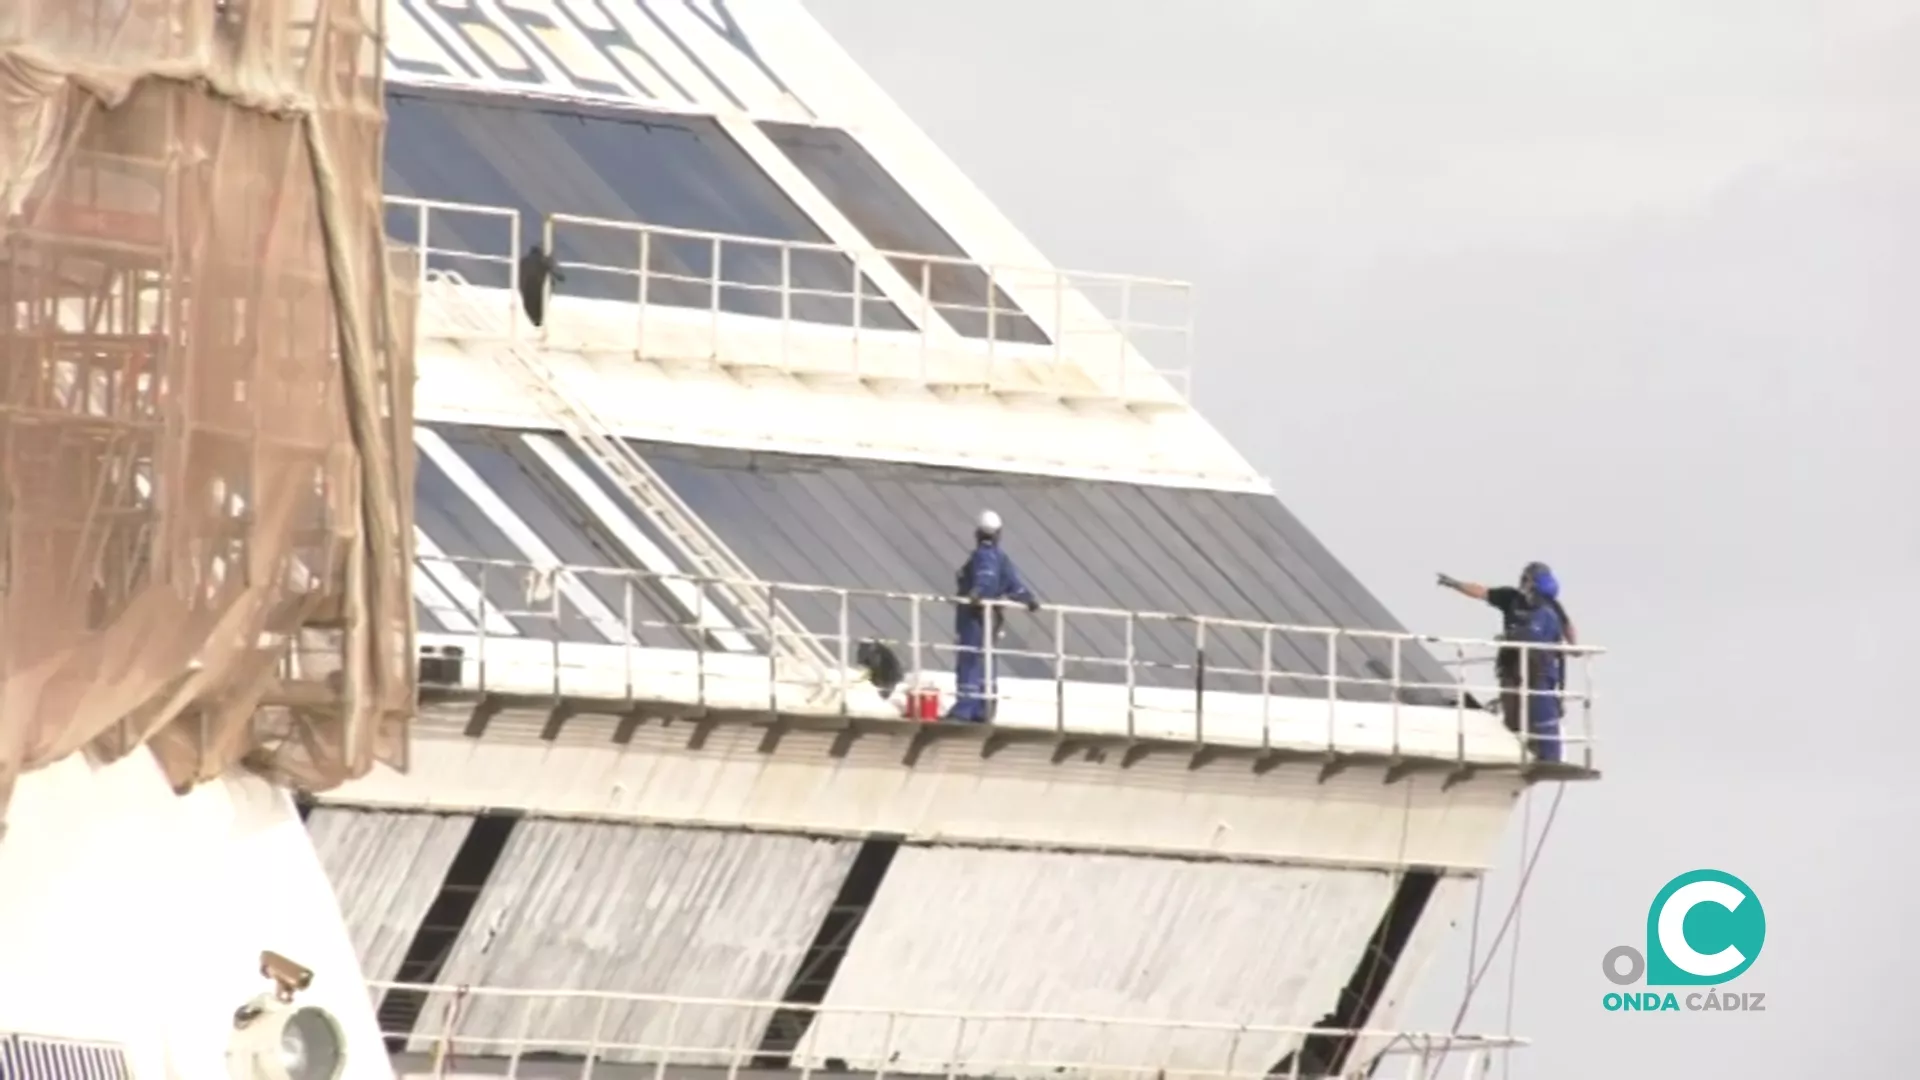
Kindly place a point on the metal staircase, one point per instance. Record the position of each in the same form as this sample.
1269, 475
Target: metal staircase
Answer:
699, 550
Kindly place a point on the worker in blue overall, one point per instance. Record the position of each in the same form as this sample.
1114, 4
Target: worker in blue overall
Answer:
1530, 614
987, 575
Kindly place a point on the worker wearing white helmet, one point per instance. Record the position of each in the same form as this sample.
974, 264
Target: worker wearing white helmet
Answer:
986, 579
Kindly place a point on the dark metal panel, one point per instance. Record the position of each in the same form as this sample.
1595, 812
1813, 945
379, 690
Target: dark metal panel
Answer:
862, 524
624, 165
1263, 573
1271, 523
463, 531
555, 515
1046, 546
713, 602
1152, 571
386, 867
1078, 934
893, 220
639, 909
728, 495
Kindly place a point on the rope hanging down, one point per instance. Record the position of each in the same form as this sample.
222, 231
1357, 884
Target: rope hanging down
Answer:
1531, 861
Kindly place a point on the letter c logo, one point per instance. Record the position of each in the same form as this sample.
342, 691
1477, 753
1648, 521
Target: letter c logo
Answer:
1673, 932
1728, 927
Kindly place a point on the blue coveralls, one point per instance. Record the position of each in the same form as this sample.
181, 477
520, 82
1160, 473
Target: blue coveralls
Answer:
1546, 677
988, 574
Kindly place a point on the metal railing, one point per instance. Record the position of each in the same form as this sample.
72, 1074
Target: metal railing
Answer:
694, 543
514, 1033
1073, 669
813, 308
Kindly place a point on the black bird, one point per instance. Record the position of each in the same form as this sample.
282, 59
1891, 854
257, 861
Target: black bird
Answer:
536, 267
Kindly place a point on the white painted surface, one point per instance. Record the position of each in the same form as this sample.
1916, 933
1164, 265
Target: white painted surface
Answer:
133, 915
742, 382
1449, 906
637, 909
1017, 797
1076, 935
387, 869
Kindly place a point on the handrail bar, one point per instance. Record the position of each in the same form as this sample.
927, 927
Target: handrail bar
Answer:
1219, 621
826, 248
922, 1013
1101, 334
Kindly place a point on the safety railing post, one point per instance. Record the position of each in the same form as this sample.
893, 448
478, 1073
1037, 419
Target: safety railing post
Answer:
1393, 688
1199, 680
913, 634
886, 1048
773, 653
593, 1040
786, 307
646, 273
1586, 708
1528, 750
959, 1042
740, 1051
1266, 688
1233, 1051
426, 242
480, 658
700, 643
1059, 671
1187, 343
1333, 689
513, 251
673, 1035
989, 674
1460, 704
520, 1037
846, 658
993, 324
1133, 619
926, 313
627, 640
713, 302
1059, 316
859, 304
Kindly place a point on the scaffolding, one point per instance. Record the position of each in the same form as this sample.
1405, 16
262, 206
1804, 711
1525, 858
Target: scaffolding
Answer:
205, 392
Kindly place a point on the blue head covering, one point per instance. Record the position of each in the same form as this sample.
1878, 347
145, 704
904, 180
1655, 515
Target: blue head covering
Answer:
1540, 578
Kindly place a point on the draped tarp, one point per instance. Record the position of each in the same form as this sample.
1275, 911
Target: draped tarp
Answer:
205, 391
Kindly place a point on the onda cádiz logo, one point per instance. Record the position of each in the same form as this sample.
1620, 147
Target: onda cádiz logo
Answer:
1705, 929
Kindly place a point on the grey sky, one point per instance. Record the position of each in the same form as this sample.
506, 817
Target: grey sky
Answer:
1621, 286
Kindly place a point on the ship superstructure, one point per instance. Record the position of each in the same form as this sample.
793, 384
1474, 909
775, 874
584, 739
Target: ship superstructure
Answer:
657, 809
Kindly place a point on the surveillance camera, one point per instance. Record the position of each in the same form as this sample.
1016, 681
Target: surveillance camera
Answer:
288, 977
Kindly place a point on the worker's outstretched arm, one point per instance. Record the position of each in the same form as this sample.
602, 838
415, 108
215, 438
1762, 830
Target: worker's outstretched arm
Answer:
1464, 588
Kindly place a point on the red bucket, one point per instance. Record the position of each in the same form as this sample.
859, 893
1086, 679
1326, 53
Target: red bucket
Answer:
923, 704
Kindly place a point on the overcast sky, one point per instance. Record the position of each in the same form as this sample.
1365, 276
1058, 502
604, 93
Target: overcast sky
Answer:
1624, 286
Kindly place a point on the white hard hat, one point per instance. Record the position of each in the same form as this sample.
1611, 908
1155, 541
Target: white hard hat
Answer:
989, 522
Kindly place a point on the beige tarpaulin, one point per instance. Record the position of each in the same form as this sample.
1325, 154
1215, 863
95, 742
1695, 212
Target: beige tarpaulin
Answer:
205, 391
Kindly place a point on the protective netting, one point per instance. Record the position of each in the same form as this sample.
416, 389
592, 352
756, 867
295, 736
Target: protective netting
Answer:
205, 391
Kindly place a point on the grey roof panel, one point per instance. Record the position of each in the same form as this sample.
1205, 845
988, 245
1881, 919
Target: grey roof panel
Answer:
890, 217
906, 528
555, 515
619, 164
894, 526
464, 531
